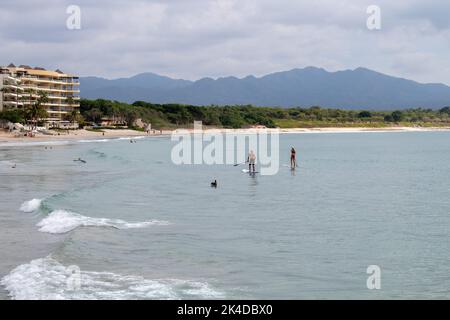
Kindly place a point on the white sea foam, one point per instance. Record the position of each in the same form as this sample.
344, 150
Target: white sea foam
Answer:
62, 221
51, 143
64, 142
132, 138
108, 139
35, 143
47, 279
94, 140
31, 206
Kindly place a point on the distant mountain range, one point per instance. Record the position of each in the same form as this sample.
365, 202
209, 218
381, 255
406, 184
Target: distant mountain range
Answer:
350, 89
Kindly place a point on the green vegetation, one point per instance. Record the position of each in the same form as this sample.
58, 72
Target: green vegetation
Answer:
167, 116
14, 116
178, 115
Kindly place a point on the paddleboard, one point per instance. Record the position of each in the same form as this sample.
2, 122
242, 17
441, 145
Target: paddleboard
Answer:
248, 171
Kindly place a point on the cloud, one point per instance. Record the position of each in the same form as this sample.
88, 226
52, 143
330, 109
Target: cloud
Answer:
196, 38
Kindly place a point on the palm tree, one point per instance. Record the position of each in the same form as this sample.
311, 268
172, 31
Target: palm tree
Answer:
1, 92
70, 101
27, 97
36, 111
73, 116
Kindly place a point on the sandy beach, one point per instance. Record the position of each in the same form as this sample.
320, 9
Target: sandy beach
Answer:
327, 130
349, 129
81, 134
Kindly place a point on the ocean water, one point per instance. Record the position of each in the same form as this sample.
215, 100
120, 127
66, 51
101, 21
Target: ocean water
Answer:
136, 226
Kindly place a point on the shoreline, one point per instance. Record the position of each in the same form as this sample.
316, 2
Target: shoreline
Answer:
325, 130
74, 135
82, 134
364, 129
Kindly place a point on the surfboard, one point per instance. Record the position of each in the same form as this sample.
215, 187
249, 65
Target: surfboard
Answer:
248, 171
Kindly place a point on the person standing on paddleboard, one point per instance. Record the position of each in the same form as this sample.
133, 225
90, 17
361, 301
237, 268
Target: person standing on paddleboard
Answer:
293, 158
251, 159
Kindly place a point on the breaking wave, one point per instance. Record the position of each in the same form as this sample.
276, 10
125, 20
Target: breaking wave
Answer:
31, 206
47, 279
62, 221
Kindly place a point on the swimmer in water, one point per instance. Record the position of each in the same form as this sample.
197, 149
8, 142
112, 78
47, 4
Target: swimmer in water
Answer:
80, 160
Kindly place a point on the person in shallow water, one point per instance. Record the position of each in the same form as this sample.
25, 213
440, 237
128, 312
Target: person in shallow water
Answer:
251, 159
293, 158
214, 184
80, 160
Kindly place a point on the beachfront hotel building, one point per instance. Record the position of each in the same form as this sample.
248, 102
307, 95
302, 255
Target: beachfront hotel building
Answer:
21, 86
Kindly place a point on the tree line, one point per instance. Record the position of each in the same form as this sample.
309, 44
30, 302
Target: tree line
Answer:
238, 116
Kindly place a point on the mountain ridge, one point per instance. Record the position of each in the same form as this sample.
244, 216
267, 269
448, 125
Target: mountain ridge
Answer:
360, 88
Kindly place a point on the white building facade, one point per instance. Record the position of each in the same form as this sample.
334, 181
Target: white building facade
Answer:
20, 87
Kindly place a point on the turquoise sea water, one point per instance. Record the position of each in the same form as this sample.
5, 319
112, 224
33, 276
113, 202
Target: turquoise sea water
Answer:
139, 227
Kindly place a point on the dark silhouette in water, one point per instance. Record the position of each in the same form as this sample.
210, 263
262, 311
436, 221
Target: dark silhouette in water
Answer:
80, 160
214, 184
293, 158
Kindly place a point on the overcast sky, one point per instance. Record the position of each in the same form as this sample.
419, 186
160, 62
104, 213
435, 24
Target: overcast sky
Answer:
196, 38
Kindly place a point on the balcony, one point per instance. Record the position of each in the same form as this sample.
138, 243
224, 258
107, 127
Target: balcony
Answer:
51, 80
61, 105
15, 87
12, 94
62, 97
11, 80
12, 103
37, 89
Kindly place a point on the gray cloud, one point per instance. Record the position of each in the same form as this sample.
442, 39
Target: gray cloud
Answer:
195, 38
